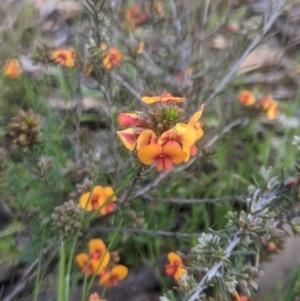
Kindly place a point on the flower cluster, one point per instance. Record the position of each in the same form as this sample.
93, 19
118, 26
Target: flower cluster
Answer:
161, 136
101, 199
174, 268
266, 104
101, 263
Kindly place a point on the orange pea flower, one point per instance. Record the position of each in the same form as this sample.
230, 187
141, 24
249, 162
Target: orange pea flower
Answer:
112, 277
194, 122
98, 200
95, 297
135, 16
89, 265
182, 133
64, 57
174, 268
165, 97
247, 98
163, 155
112, 58
12, 68
270, 106
98, 250
128, 137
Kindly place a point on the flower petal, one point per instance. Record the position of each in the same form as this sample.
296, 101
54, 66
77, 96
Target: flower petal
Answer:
82, 259
176, 154
146, 137
109, 192
84, 202
126, 119
97, 247
148, 154
128, 137
179, 272
174, 258
170, 269
163, 98
195, 118
100, 264
120, 271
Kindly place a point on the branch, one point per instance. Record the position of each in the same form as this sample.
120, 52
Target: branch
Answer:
195, 201
255, 42
145, 232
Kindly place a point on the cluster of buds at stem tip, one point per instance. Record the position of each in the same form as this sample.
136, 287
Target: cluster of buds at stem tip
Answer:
66, 217
162, 135
25, 128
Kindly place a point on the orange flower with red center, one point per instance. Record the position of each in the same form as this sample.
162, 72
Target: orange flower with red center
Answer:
184, 134
110, 278
101, 199
135, 16
96, 261
164, 155
270, 106
165, 97
98, 250
112, 57
64, 57
12, 68
174, 268
91, 266
247, 98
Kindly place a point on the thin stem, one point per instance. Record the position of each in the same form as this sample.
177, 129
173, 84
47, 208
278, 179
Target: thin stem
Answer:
195, 201
146, 232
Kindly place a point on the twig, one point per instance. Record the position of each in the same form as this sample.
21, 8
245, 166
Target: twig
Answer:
219, 88
129, 88
195, 201
146, 232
